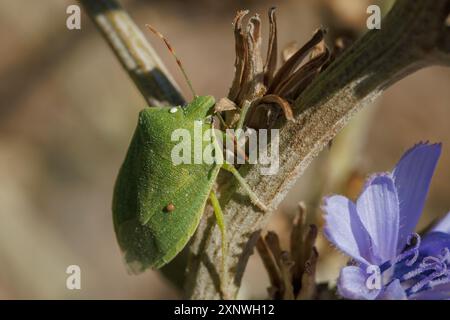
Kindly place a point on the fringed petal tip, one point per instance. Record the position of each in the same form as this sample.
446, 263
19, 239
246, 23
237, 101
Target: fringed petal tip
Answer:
373, 177
412, 176
422, 144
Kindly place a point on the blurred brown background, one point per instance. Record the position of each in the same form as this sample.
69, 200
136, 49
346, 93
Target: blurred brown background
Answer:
67, 112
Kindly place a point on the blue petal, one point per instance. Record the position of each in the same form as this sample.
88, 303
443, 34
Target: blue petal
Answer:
352, 284
443, 225
440, 292
412, 177
344, 229
378, 208
434, 243
393, 291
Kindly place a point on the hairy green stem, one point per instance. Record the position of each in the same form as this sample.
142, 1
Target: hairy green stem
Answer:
412, 36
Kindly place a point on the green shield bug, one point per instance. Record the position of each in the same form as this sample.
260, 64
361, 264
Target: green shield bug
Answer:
157, 205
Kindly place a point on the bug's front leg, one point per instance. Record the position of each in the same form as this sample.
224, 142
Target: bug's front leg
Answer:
229, 167
253, 197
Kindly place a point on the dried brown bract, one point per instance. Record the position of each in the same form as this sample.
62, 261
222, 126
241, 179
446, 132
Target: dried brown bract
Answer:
292, 274
267, 89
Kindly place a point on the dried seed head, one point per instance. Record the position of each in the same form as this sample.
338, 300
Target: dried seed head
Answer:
270, 90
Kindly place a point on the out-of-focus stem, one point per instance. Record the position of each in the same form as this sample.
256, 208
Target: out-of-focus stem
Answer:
134, 52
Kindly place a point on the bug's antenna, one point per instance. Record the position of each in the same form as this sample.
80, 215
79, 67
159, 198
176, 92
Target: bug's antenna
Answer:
157, 33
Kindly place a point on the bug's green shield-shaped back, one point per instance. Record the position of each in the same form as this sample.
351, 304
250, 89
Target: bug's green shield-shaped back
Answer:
148, 233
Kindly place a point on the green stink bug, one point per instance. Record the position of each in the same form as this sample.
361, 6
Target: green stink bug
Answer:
157, 205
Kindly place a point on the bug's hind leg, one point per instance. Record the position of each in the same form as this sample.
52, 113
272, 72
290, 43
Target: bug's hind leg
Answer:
221, 224
253, 197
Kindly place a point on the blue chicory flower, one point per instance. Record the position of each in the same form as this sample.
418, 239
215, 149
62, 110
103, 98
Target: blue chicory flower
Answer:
389, 260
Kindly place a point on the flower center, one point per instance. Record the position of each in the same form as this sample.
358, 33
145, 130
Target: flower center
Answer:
412, 252
431, 271
425, 274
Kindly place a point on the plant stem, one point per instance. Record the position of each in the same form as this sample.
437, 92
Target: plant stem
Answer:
134, 52
412, 36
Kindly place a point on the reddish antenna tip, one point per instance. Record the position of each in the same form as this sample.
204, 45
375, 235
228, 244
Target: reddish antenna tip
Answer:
172, 51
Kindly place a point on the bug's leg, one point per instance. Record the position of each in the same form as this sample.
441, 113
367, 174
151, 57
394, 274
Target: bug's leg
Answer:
243, 183
221, 223
246, 106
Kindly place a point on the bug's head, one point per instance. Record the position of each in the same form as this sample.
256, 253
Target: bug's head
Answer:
200, 106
